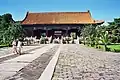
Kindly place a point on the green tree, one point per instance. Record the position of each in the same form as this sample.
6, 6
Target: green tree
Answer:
115, 30
88, 34
84, 33
97, 36
104, 37
9, 29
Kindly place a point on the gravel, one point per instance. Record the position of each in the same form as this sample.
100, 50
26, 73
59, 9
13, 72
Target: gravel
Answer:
77, 62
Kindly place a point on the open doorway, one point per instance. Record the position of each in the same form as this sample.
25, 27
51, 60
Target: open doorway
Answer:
38, 33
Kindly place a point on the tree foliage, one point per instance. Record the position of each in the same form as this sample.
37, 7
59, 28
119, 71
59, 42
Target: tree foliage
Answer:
94, 35
9, 29
115, 30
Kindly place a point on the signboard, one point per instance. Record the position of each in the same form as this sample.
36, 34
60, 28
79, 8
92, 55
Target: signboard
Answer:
57, 32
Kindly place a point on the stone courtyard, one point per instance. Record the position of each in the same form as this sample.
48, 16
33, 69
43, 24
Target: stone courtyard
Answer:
60, 62
80, 63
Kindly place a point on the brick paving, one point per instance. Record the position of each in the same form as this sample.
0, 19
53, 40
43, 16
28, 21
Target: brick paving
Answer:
77, 62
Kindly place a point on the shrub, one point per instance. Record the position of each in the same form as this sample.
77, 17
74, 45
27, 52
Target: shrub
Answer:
115, 31
67, 39
63, 41
42, 40
108, 49
113, 39
116, 50
100, 47
80, 41
112, 50
73, 35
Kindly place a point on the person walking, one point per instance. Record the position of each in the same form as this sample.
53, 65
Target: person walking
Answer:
19, 46
14, 47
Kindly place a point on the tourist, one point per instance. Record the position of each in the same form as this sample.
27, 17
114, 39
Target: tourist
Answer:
14, 46
19, 46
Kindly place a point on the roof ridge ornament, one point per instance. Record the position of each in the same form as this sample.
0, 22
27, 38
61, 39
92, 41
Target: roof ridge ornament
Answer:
88, 11
28, 12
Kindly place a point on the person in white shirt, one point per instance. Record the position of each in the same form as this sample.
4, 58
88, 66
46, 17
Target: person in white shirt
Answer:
19, 46
14, 47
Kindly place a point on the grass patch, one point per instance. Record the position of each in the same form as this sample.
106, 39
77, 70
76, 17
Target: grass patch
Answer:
4, 45
112, 47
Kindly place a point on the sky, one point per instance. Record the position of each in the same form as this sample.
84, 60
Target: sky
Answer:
100, 9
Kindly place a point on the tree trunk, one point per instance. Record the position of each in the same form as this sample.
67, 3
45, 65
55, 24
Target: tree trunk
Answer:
105, 47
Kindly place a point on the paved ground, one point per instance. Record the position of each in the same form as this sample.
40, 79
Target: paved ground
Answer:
80, 63
10, 67
7, 54
5, 50
34, 70
8, 50
75, 62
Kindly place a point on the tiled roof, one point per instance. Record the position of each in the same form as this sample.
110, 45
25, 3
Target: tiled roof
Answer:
60, 18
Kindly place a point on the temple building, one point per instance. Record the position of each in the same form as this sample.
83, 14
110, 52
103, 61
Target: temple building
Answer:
57, 24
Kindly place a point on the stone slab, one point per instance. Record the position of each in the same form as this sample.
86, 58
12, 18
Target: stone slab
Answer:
4, 74
50, 67
31, 56
11, 67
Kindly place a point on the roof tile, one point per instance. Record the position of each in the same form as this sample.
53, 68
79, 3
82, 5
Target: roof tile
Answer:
59, 18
